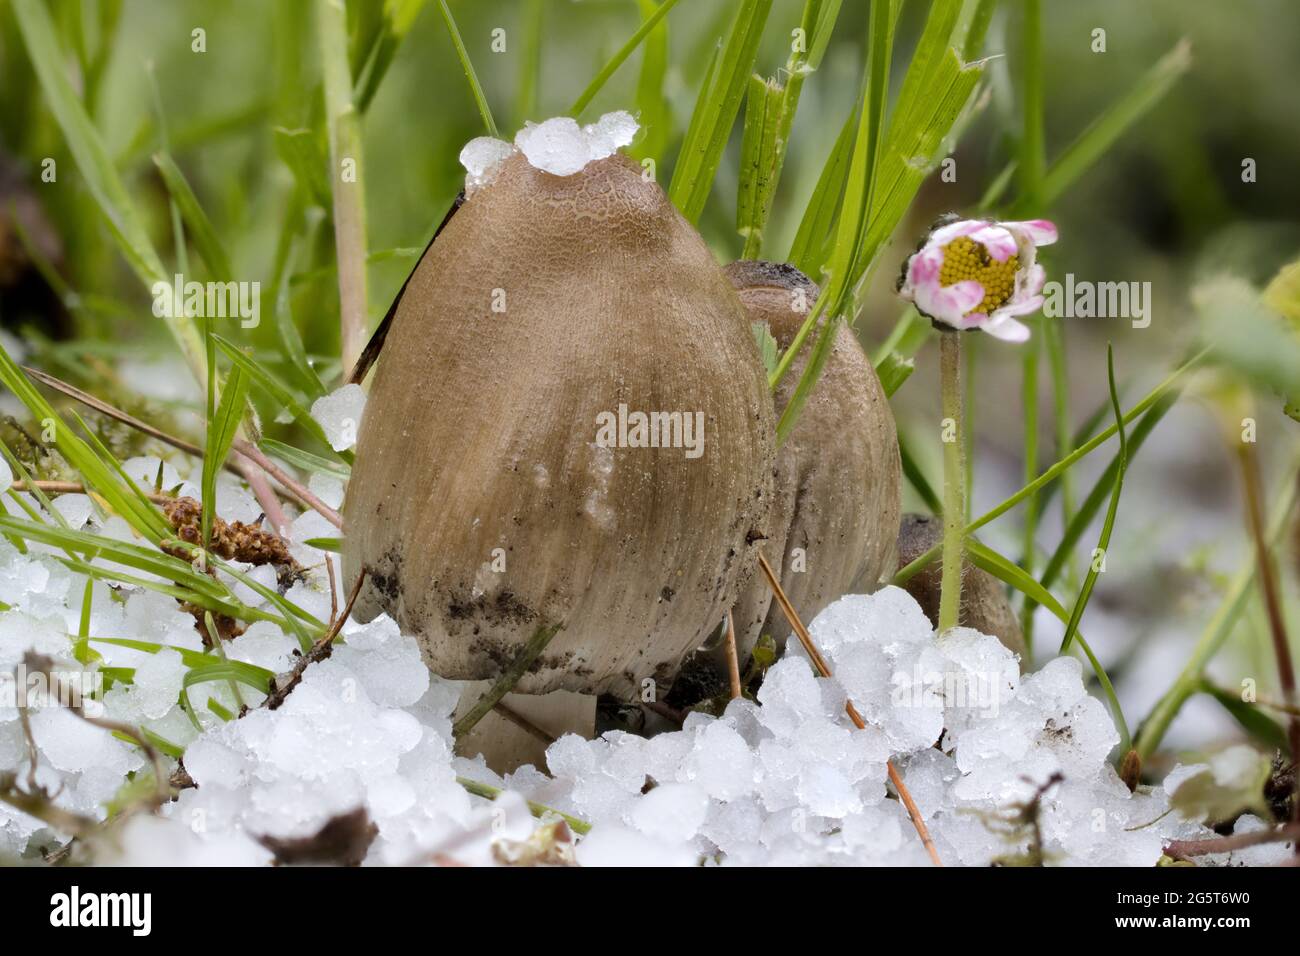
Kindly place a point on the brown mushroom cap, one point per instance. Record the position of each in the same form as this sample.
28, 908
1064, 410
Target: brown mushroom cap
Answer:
481, 434
984, 604
838, 475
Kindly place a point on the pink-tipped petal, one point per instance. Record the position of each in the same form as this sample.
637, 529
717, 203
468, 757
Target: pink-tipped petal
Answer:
1000, 243
923, 268
1041, 232
949, 304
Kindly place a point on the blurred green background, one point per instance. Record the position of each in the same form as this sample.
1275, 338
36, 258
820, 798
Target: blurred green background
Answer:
1167, 202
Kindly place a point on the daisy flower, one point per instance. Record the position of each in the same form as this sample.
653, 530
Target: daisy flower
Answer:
979, 274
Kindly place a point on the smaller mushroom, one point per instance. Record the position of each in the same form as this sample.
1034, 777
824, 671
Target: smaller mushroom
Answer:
832, 528
984, 604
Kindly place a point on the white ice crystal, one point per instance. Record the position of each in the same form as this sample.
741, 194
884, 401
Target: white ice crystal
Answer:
339, 415
558, 146
784, 780
481, 156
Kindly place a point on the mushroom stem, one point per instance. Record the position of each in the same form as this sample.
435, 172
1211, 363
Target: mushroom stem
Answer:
523, 723
823, 668
520, 727
508, 679
954, 478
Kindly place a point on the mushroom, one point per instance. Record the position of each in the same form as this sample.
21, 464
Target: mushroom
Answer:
838, 476
984, 605
565, 462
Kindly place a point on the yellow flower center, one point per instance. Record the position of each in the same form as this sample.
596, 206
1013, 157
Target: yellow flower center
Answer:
964, 259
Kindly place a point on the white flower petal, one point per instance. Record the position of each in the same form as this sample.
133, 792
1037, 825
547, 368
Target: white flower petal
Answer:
962, 227
1007, 329
1019, 306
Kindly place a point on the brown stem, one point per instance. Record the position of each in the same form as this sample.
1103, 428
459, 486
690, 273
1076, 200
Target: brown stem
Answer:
510, 676
73, 488
819, 662
733, 659
665, 711
1249, 459
265, 496
318, 652
240, 445
287, 481
334, 590
1186, 849
101, 406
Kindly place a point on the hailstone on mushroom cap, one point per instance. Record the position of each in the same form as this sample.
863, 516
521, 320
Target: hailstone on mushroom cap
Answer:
558, 146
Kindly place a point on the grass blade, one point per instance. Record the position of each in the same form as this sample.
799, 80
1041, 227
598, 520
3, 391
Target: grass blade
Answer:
475, 87
302, 153
1103, 542
774, 114
222, 428
1033, 157
1048, 476
893, 371
96, 166
653, 107
1092, 503
995, 564
608, 70
972, 40
120, 493
915, 476
399, 17
304, 459
1260, 726
757, 159
291, 402
1093, 142
209, 247
808, 250
715, 110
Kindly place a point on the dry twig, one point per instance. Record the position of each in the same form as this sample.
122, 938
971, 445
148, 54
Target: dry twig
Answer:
319, 651
819, 662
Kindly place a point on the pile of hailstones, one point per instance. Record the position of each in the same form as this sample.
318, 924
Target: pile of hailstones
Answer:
784, 780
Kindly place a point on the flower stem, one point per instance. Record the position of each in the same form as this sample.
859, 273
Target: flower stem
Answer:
954, 479
907, 572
